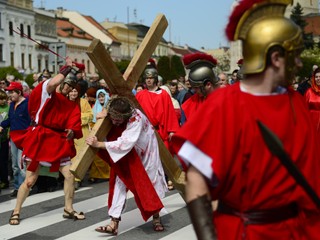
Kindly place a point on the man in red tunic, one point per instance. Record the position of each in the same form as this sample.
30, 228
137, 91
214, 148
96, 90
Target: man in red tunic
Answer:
202, 79
49, 141
223, 148
157, 105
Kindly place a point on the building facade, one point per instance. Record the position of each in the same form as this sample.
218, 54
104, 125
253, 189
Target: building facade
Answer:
18, 51
46, 34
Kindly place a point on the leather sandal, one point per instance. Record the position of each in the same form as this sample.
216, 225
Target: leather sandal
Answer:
109, 229
73, 215
14, 219
156, 223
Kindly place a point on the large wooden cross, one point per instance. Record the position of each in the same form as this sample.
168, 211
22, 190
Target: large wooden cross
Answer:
122, 85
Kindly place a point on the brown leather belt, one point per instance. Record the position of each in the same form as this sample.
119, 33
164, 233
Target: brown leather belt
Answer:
261, 216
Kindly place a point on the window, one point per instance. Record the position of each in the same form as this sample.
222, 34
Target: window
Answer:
1, 52
0, 20
88, 66
12, 59
30, 61
10, 28
29, 30
46, 63
21, 30
22, 60
39, 65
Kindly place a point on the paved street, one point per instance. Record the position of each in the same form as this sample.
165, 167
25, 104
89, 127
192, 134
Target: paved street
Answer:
42, 217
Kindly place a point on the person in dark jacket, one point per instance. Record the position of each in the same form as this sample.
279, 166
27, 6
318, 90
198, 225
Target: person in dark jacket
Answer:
18, 120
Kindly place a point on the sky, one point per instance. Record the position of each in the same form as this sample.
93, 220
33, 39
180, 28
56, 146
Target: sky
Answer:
198, 24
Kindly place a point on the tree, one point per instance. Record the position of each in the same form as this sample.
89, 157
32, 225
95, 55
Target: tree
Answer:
10, 71
164, 68
297, 17
122, 65
176, 67
223, 63
29, 79
309, 57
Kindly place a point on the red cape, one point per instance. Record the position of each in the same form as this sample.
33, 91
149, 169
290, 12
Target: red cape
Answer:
131, 171
47, 141
249, 176
191, 105
159, 109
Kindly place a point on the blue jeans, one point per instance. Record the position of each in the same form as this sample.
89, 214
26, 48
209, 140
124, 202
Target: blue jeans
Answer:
18, 173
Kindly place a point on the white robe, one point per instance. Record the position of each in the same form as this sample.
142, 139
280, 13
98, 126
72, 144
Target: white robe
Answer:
139, 134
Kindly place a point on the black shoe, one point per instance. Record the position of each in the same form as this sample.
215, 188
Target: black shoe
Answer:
92, 180
14, 193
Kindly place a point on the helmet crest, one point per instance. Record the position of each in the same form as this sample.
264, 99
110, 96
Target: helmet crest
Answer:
261, 25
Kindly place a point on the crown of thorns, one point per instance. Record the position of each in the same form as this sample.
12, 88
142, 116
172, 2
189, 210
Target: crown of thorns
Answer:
118, 115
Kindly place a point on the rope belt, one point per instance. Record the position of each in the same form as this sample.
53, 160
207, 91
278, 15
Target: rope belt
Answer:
261, 216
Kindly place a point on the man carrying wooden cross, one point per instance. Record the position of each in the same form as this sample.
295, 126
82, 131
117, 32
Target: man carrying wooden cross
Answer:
123, 85
133, 154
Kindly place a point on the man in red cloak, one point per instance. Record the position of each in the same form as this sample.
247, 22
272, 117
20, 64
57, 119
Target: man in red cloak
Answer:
202, 79
157, 105
224, 150
49, 141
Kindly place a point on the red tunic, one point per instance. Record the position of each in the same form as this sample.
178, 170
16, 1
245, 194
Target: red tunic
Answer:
249, 176
159, 109
132, 173
47, 140
313, 101
191, 105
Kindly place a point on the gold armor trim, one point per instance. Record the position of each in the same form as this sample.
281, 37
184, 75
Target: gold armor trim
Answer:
262, 27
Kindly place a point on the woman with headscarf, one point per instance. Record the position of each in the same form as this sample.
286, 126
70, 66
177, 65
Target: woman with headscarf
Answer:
99, 168
313, 97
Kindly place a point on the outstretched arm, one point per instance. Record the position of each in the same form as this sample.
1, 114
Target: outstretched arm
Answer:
57, 80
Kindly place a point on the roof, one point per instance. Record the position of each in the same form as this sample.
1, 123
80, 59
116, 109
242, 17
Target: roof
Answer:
68, 29
181, 51
87, 26
99, 26
313, 26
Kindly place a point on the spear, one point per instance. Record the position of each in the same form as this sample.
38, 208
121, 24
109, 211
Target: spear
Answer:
40, 44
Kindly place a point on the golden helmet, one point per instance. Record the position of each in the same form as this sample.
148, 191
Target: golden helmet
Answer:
260, 27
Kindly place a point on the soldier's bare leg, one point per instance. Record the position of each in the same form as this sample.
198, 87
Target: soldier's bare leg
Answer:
23, 192
68, 188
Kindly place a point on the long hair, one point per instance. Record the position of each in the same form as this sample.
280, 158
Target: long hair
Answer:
314, 85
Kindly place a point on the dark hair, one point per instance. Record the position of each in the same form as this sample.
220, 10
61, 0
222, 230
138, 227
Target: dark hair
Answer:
316, 71
121, 105
3, 94
273, 49
173, 84
6, 82
139, 85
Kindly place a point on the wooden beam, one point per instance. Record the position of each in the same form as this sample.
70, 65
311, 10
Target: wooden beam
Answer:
123, 85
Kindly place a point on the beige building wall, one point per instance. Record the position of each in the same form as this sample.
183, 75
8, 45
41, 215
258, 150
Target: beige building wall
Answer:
128, 39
